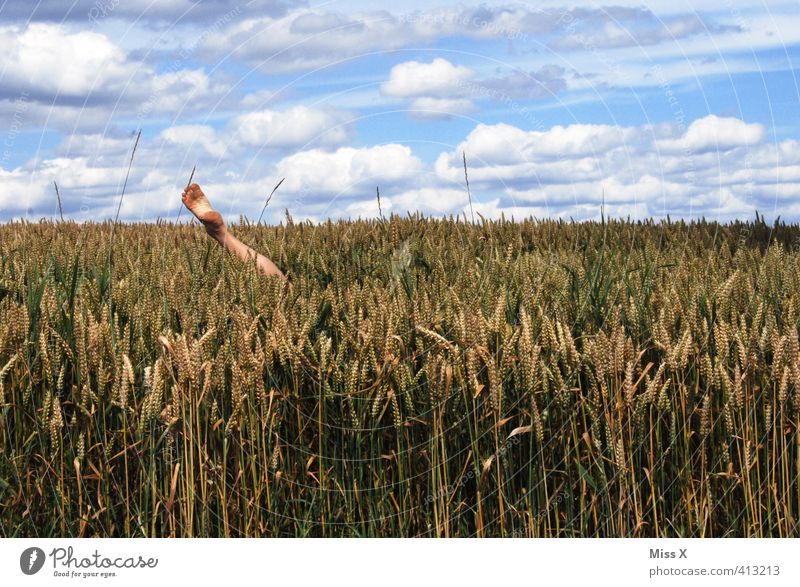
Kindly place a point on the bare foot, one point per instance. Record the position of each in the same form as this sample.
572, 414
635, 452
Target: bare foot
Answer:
198, 204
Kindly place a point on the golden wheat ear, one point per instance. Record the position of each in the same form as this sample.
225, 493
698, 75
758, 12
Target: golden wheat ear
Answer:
427, 377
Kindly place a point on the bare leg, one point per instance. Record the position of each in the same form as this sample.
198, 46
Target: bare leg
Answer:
198, 204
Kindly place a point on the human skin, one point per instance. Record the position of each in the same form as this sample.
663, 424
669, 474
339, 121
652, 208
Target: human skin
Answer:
198, 204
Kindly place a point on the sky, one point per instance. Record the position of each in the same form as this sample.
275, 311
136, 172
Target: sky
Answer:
679, 108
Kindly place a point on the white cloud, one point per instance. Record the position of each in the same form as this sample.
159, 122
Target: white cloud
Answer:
258, 99
297, 126
190, 135
306, 39
579, 211
436, 89
270, 130
557, 172
441, 89
83, 182
545, 82
718, 167
178, 91
98, 145
90, 167
67, 76
617, 26
439, 108
439, 78
95, 11
502, 147
368, 208
432, 200
20, 193
49, 60
347, 170
715, 133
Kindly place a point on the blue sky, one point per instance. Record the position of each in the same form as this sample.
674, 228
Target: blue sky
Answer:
681, 108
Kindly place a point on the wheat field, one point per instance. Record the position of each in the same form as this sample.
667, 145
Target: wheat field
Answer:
420, 377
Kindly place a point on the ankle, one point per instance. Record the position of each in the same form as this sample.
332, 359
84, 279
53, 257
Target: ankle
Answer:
214, 225
218, 232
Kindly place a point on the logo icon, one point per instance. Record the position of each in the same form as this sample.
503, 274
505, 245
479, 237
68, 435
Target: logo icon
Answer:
31, 560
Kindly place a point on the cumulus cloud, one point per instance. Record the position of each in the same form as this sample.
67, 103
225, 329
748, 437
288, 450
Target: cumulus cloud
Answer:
70, 74
435, 88
297, 126
90, 167
436, 201
86, 183
348, 170
567, 171
20, 193
563, 171
715, 133
47, 60
305, 39
718, 167
506, 147
545, 82
93, 10
618, 26
441, 89
431, 201
263, 130
440, 108
98, 70
436, 79
190, 135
